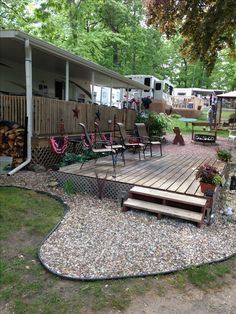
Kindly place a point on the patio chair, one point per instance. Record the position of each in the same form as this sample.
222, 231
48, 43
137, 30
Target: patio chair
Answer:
108, 142
90, 146
130, 142
147, 140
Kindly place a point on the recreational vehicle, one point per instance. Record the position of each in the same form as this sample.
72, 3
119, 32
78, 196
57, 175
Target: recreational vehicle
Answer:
159, 91
193, 91
192, 99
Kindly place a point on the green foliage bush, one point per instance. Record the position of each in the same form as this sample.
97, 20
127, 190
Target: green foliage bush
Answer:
157, 124
72, 158
68, 187
224, 155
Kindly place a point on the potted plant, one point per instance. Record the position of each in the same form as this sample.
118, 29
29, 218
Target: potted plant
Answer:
209, 177
224, 155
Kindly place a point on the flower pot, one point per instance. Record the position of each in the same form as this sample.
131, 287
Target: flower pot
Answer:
207, 187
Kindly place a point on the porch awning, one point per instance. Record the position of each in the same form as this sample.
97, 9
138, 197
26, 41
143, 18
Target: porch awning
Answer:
228, 95
48, 57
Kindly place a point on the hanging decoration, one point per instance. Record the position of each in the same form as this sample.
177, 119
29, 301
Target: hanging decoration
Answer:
85, 143
59, 144
76, 112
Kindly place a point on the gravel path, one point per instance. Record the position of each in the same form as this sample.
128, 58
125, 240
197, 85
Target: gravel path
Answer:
96, 240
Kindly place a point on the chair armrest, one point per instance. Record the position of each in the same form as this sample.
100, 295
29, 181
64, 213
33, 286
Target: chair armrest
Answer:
155, 138
99, 144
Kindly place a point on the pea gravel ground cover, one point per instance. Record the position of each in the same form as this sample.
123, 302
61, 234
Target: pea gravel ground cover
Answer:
95, 240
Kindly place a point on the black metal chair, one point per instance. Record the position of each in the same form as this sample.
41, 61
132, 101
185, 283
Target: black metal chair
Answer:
145, 139
91, 146
130, 142
108, 142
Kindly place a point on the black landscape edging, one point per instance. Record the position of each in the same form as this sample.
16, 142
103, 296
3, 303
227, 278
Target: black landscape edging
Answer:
66, 209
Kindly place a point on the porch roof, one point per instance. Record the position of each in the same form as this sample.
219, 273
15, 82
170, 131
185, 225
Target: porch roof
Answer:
51, 58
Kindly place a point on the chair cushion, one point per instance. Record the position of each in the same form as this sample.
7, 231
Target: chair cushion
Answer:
134, 141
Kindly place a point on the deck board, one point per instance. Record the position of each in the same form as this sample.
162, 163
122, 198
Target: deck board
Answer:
173, 173
180, 176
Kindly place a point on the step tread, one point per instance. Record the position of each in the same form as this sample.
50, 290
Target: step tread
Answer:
186, 199
164, 209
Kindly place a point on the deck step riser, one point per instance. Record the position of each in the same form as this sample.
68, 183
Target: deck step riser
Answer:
166, 203
174, 203
171, 196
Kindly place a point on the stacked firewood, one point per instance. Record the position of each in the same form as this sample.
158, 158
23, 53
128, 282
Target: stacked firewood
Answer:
12, 141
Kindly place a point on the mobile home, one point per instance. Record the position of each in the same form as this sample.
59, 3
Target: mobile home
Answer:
41, 86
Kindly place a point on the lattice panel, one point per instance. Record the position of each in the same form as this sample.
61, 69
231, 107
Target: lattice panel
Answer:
112, 189
46, 157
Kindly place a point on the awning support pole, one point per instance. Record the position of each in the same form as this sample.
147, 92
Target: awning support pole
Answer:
28, 79
67, 81
93, 87
111, 94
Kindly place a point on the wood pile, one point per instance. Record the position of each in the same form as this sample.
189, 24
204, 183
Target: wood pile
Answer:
12, 141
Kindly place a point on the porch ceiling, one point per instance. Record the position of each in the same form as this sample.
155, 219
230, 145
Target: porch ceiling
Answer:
53, 59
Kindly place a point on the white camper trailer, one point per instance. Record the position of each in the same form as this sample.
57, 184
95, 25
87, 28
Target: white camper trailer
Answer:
157, 90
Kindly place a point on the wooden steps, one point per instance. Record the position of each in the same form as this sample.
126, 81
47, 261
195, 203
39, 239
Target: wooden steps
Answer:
166, 210
167, 203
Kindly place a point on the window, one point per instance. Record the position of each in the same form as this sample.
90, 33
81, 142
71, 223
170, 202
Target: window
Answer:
158, 86
166, 89
147, 81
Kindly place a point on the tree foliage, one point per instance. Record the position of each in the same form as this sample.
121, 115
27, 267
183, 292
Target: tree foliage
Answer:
205, 26
113, 33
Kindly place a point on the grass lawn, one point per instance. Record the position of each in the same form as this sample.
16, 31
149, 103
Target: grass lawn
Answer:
203, 118
26, 287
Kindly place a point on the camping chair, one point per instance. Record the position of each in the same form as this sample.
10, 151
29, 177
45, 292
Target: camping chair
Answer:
133, 143
108, 142
90, 146
142, 133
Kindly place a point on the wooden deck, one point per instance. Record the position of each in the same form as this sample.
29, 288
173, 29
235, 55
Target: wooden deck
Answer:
174, 173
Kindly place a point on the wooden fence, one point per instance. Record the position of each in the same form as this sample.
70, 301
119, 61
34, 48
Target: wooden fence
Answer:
47, 114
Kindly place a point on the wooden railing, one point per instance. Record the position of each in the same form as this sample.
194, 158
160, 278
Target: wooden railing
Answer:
48, 113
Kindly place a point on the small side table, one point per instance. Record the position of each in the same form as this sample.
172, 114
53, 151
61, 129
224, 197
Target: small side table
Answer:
187, 120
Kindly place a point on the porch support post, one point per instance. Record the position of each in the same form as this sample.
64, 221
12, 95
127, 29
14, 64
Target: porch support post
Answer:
221, 101
111, 94
93, 87
140, 104
28, 83
67, 81
127, 99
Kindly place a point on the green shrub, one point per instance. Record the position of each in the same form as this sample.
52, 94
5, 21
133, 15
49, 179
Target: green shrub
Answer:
68, 187
224, 155
71, 158
156, 123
